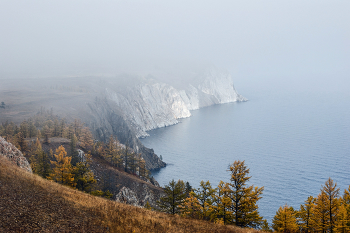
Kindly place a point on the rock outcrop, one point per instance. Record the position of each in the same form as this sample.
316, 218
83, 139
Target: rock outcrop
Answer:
128, 196
14, 155
151, 104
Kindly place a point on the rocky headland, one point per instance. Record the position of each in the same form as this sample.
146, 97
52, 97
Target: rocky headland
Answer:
126, 106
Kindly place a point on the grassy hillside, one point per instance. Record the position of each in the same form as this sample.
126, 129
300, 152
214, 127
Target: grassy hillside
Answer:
29, 203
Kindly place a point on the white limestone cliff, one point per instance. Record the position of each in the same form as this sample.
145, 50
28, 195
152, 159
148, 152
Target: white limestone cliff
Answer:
152, 104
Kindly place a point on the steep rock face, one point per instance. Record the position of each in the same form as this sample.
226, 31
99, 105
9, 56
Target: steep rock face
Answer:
151, 104
105, 119
15, 156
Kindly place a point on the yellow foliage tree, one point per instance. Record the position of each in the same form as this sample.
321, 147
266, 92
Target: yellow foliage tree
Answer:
191, 207
62, 173
285, 220
205, 194
223, 202
142, 168
320, 217
244, 198
345, 204
86, 139
342, 223
346, 197
305, 213
113, 152
332, 204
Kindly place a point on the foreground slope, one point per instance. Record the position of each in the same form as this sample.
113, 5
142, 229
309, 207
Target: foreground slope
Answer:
30, 203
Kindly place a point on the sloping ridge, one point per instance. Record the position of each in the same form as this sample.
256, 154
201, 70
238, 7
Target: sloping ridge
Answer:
30, 203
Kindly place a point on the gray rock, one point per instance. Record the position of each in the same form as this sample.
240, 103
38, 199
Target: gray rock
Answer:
129, 196
14, 155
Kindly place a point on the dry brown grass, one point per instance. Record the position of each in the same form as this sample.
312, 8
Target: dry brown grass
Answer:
29, 203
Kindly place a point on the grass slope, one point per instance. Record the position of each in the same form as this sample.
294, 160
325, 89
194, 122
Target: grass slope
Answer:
29, 203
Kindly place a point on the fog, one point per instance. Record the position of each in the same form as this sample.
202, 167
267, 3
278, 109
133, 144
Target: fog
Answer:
256, 41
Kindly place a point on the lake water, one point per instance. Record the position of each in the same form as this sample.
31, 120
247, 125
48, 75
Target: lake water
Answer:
292, 141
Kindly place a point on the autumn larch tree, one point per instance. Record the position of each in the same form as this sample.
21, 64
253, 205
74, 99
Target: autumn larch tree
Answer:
47, 133
32, 131
342, 223
23, 128
244, 198
332, 193
142, 168
343, 219
285, 220
305, 214
224, 202
129, 159
63, 171
133, 162
174, 197
320, 218
42, 161
205, 195
86, 139
265, 226
21, 143
191, 207
83, 176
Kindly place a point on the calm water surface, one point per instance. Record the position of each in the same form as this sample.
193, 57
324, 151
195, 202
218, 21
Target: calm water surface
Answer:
291, 141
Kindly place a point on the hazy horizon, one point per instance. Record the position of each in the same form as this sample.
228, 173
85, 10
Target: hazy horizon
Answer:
256, 41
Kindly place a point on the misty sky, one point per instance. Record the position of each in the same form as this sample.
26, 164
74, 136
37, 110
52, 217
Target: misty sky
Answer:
251, 39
